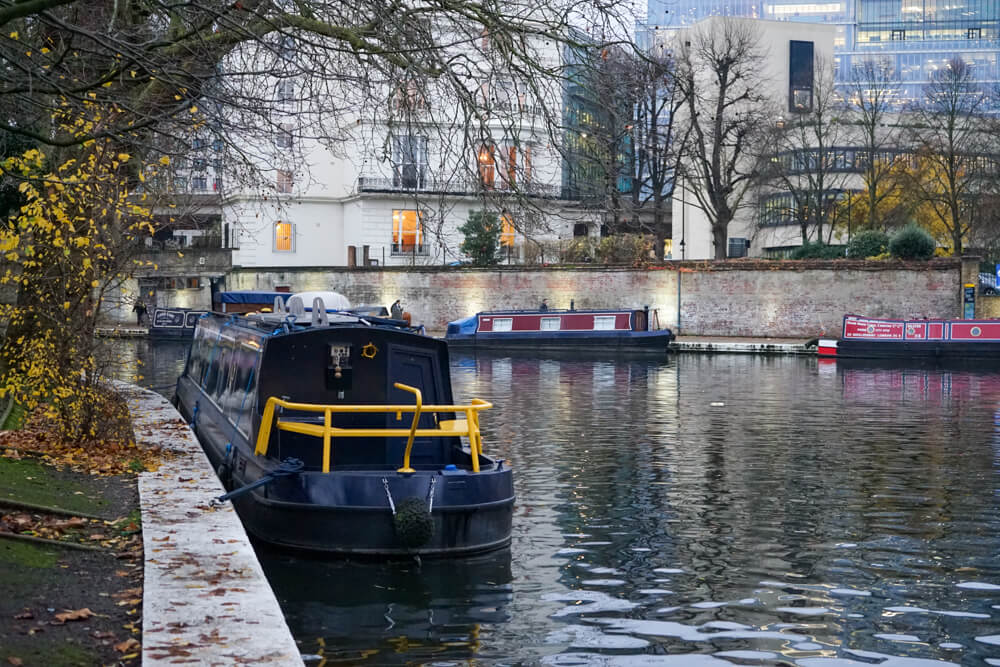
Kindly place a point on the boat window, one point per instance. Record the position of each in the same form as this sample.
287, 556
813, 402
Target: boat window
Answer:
244, 382
503, 323
604, 322
551, 323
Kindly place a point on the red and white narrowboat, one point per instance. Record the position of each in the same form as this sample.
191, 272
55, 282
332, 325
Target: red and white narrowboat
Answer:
866, 337
622, 330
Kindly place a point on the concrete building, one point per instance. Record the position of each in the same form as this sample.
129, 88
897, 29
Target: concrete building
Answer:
789, 53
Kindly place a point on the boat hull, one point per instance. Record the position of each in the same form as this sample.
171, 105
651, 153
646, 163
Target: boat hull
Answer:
869, 338
652, 342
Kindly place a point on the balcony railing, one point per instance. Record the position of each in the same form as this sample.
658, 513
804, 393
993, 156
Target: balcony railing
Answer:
457, 186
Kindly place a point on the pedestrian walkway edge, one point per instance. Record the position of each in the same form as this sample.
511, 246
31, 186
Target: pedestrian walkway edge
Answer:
205, 597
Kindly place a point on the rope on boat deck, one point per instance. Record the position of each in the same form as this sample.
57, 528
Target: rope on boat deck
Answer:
289, 466
388, 494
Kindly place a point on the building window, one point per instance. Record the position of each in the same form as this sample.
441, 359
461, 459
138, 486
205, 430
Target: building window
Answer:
974, 33
580, 229
503, 324
551, 323
284, 181
286, 91
738, 247
897, 35
193, 283
284, 138
800, 76
408, 232
284, 238
409, 157
604, 322
507, 231
199, 183
487, 166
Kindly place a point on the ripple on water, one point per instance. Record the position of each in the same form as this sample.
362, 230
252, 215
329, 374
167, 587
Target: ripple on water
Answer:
691, 633
597, 660
921, 610
603, 582
593, 602
587, 636
978, 585
871, 657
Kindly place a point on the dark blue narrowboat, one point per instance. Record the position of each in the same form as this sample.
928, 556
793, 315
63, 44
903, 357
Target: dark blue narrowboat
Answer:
339, 433
624, 330
174, 322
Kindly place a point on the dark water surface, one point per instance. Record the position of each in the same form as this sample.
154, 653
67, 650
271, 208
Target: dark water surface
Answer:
701, 510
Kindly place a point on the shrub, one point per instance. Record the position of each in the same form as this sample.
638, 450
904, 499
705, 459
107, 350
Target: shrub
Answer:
869, 243
912, 242
624, 249
482, 238
817, 250
582, 249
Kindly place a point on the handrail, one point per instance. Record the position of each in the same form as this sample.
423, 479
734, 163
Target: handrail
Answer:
327, 431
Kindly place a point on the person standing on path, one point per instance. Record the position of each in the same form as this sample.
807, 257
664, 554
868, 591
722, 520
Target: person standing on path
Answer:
396, 310
140, 311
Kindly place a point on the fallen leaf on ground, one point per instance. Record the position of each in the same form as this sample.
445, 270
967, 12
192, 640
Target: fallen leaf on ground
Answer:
24, 614
127, 645
74, 615
15, 661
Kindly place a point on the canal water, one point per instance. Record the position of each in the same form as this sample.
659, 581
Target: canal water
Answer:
697, 510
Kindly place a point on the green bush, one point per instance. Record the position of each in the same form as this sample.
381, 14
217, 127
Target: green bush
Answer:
817, 250
869, 243
482, 238
912, 242
581, 250
624, 249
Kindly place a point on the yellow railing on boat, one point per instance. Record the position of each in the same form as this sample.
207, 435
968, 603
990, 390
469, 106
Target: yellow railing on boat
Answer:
468, 427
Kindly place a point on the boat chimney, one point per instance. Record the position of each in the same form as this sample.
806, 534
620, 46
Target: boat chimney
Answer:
572, 305
645, 309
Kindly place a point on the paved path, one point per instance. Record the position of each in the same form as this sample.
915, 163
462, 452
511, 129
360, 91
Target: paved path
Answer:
205, 599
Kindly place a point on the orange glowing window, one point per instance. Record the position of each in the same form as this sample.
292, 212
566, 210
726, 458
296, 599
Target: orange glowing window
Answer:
511, 166
407, 231
486, 166
507, 231
283, 236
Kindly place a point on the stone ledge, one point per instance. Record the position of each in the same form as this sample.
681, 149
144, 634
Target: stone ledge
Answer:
205, 598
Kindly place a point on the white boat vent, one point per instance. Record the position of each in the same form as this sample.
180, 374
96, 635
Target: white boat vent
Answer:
295, 307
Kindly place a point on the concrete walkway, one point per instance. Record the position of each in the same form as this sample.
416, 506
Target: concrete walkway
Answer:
205, 598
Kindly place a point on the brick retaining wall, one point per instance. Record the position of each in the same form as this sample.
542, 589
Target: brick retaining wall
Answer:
726, 298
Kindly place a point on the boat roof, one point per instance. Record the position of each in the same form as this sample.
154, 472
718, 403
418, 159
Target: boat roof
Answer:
250, 296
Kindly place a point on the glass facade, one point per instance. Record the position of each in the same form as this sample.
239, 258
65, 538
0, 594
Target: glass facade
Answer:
916, 37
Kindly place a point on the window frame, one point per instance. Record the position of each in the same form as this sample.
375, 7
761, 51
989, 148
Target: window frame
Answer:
290, 236
397, 247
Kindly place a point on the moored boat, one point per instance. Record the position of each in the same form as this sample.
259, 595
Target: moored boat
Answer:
348, 426
624, 330
873, 338
174, 322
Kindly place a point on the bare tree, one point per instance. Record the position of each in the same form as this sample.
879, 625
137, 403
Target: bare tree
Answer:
725, 112
956, 147
809, 161
873, 97
654, 141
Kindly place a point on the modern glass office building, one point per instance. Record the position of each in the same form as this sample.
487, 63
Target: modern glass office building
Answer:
916, 37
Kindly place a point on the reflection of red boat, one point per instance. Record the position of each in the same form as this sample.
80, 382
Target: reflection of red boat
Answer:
865, 337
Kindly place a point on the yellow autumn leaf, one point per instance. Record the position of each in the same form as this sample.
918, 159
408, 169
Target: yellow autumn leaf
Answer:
66, 305
13, 35
165, 161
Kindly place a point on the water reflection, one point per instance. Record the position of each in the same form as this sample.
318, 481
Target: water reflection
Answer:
700, 510
395, 612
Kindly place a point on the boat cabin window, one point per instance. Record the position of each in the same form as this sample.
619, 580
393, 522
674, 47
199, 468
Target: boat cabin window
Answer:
604, 322
224, 364
551, 323
503, 323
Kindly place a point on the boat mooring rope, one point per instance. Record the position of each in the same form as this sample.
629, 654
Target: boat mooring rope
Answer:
430, 495
388, 495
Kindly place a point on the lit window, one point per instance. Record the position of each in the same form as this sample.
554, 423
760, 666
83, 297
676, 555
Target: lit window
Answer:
283, 236
550, 323
284, 181
486, 166
193, 282
407, 232
507, 231
503, 323
604, 322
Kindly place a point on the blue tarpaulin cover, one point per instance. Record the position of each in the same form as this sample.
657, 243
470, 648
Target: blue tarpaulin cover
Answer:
246, 296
